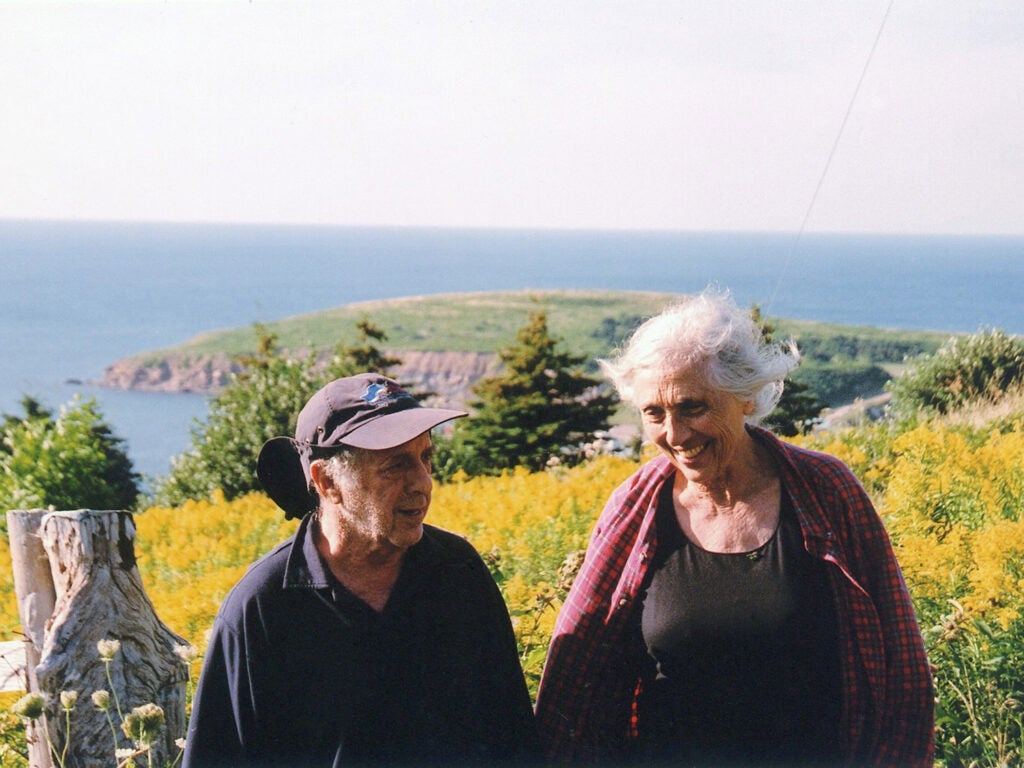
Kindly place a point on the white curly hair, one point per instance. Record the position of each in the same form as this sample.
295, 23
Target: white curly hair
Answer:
707, 329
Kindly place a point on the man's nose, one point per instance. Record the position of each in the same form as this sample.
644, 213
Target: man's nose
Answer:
422, 481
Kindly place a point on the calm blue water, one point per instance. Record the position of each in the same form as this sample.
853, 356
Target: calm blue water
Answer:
75, 297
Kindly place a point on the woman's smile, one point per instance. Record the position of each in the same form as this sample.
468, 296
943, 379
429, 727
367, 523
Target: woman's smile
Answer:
692, 453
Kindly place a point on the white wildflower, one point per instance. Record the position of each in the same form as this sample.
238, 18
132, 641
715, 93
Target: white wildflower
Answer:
108, 648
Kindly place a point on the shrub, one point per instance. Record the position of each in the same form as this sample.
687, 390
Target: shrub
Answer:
836, 384
965, 370
69, 461
260, 403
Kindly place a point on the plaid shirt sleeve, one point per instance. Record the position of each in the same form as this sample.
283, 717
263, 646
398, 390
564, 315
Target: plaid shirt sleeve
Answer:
584, 706
889, 713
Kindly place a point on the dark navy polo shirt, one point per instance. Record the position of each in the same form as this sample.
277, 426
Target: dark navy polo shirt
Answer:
301, 672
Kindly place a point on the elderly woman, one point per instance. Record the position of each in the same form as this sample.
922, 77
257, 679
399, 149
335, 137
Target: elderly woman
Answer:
740, 603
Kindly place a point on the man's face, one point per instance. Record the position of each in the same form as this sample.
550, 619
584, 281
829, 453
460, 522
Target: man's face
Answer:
385, 494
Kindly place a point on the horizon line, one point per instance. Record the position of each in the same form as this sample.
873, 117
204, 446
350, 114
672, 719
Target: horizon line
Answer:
502, 228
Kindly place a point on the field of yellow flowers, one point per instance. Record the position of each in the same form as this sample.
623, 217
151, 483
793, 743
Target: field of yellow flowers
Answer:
952, 498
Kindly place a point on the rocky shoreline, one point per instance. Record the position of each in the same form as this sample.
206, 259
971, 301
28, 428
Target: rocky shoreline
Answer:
202, 374
449, 376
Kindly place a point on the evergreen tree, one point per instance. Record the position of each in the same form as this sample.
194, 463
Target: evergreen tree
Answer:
71, 460
799, 408
365, 356
540, 406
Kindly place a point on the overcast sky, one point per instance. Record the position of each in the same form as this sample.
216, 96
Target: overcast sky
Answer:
685, 115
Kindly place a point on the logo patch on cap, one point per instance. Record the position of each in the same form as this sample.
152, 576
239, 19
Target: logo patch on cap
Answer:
384, 394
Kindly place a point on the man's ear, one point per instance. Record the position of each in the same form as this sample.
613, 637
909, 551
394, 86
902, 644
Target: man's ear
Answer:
324, 482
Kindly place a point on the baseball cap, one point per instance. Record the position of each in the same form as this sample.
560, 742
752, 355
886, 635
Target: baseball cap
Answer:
368, 411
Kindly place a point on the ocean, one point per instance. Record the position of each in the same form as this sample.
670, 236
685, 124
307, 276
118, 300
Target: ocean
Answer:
77, 296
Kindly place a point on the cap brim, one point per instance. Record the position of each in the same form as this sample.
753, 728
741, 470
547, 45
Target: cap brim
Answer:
279, 469
397, 428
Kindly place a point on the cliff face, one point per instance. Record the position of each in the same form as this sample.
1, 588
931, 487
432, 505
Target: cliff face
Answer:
205, 374
448, 375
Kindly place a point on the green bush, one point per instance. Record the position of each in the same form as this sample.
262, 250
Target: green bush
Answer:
839, 384
262, 402
258, 405
965, 370
68, 461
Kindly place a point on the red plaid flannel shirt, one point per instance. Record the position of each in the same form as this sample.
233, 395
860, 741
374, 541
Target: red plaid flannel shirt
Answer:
585, 706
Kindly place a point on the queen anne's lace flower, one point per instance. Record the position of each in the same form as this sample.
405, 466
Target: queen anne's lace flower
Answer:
108, 649
68, 699
142, 725
101, 699
30, 706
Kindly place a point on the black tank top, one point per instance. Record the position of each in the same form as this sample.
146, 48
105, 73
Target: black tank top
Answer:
743, 651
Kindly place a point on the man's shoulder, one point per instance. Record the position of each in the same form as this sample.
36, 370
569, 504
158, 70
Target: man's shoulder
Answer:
445, 558
263, 578
448, 546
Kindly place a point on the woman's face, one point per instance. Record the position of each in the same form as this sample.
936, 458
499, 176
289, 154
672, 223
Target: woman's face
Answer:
700, 429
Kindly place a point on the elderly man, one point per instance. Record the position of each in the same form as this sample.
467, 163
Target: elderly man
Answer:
368, 638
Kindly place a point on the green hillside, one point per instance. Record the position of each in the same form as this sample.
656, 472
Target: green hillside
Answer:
589, 321
840, 362
463, 322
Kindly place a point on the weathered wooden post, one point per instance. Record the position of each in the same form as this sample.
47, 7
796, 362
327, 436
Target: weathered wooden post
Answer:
36, 599
96, 595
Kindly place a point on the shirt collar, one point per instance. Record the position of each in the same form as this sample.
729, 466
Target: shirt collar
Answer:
306, 570
813, 521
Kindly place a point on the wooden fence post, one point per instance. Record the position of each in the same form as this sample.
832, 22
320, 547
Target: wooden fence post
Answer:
33, 586
96, 595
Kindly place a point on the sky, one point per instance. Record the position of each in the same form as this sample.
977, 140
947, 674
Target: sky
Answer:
894, 116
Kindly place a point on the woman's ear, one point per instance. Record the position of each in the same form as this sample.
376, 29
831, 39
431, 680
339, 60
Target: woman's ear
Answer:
748, 407
324, 482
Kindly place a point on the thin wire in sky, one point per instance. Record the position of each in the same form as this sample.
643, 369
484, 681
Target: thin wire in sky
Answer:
828, 162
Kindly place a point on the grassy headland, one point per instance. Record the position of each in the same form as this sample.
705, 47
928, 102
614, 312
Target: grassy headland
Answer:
840, 362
